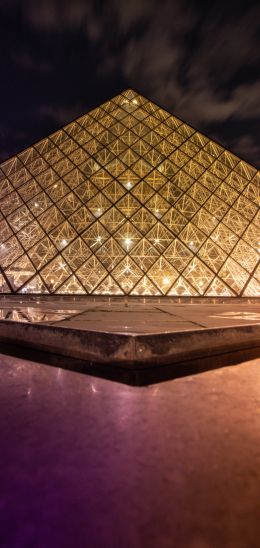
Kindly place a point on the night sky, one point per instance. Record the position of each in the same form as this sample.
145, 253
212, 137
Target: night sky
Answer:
61, 58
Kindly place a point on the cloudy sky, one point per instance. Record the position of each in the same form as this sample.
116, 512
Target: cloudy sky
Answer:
59, 58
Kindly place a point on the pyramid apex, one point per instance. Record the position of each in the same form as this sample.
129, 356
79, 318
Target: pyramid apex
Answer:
129, 93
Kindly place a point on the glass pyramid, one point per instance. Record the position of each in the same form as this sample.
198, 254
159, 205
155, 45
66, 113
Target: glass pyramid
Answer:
128, 199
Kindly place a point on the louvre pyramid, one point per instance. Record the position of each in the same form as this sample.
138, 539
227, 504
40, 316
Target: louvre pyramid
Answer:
128, 199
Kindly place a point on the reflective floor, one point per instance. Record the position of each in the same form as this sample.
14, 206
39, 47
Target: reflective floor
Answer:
87, 462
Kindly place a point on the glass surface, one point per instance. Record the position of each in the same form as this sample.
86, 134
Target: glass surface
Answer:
128, 199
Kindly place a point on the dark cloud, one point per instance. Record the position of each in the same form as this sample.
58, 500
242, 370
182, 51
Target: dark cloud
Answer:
245, 146
29, 62
61, 114
200, 62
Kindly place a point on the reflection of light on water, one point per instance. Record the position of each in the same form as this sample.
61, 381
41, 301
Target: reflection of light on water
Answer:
246, 316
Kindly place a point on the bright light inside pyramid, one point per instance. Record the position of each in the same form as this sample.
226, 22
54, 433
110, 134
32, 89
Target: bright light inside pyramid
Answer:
36, 204
64, 242
98, 212
166, 280
128, 185
127, 242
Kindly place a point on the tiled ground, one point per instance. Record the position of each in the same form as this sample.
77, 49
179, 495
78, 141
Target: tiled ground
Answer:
130, 316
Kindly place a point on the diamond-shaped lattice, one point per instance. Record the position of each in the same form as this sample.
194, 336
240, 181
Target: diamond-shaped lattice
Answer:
128, 199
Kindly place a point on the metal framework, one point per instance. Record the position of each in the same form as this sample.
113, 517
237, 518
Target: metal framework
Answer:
128, 199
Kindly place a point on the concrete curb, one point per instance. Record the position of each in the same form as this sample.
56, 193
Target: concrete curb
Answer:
130, 351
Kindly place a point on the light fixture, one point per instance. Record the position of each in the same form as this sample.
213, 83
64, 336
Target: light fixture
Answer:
166, 280
64, 242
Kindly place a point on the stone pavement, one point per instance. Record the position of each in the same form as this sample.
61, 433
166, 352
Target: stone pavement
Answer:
126, 315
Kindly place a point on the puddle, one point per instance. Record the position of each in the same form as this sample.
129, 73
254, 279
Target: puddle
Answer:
33, 315
251, 316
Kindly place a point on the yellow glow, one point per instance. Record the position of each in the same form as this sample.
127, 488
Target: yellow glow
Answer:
139, 203
166, 280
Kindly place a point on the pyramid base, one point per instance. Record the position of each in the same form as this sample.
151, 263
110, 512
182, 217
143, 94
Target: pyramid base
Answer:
134, 341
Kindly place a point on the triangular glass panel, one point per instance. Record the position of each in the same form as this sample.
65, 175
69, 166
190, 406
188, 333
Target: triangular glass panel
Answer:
145, 287
163, 274
72, 285
108, 287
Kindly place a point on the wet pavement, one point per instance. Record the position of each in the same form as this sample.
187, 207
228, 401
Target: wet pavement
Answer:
131, 315
87, 462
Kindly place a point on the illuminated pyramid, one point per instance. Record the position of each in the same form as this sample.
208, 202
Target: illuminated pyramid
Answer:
128, 199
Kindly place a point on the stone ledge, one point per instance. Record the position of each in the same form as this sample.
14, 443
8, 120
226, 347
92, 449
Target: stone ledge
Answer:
132, 356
